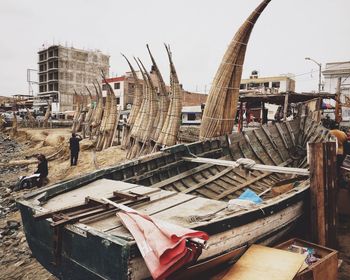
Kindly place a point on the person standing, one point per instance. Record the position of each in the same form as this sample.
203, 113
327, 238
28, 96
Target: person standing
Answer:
74, 148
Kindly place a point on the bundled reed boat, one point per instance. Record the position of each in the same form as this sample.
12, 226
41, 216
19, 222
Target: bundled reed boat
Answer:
74, 235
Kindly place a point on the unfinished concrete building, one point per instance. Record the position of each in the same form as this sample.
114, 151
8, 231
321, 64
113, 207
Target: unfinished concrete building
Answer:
62, 69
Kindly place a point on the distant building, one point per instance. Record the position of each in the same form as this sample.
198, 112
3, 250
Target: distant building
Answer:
267, 85
61, 70
191, 115
333, 71
124, 89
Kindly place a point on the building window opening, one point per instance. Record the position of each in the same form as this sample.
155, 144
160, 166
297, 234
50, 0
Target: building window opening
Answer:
276, 84
104, 87
116, 85
191, 116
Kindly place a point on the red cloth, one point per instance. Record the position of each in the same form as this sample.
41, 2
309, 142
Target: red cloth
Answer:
163, 246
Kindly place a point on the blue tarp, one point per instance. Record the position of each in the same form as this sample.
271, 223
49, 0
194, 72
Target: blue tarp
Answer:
251, 196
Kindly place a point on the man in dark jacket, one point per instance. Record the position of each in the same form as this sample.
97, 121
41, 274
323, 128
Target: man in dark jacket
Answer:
74, 148
42, 170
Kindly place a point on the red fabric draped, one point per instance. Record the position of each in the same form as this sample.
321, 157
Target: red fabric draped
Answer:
165, 247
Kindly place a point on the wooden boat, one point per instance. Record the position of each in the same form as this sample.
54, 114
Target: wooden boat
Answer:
75, 236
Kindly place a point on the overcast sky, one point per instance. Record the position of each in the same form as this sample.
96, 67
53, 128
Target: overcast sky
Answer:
197, 31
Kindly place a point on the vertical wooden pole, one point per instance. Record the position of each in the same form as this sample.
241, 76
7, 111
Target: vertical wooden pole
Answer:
285, 108
317, 211
331, 194
338, 116
323, 189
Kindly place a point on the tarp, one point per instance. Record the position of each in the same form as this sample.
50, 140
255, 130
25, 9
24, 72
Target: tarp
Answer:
165, 247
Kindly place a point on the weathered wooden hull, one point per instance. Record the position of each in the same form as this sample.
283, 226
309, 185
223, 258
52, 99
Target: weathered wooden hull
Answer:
105, 250
90, 254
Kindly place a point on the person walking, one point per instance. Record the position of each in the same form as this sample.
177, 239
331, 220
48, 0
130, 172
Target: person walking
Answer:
74, 148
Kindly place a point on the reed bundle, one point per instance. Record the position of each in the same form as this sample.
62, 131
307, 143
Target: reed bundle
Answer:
221, 106
83, 111
47, 116
134, 143
163, 99
152, 110
168, 135
2, 122
112, 120
90, 107
107, 109
31, 119
14, 125
98, 113
77, 112
136, 104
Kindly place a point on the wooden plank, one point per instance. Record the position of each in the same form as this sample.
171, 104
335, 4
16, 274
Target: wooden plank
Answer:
290, 130
272, 141
317, 199
260, 140
281, 133
207, 181
253, 148
256, 166
260, 262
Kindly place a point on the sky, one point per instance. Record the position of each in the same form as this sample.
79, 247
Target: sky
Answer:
197, 31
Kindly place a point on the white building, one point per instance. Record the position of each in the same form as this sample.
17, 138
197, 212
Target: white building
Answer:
267, 85
332, 73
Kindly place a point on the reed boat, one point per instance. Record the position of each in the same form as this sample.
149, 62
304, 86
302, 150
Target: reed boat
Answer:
75, 236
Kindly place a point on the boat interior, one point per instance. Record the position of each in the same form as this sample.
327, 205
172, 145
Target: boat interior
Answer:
182, 191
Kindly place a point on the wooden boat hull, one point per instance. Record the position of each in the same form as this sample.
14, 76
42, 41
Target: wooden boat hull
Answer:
105, 250
90, 254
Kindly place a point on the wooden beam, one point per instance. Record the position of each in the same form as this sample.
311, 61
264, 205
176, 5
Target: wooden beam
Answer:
259, 167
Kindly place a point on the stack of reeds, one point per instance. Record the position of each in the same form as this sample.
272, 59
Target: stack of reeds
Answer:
168, 135
141, 120
31, 119
137, 100
2, 122
98, 113
47, 116
77, 111
147, 134
83, 112
112, 120
163, 99
221, 106
107, 109
14, 125
90, 107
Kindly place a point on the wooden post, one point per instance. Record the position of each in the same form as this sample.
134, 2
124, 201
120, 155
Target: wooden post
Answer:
285, 108
331, 194
338, 116
323, 193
